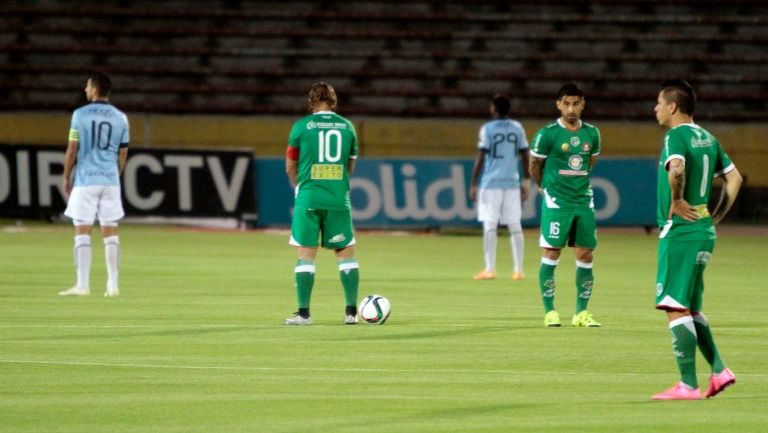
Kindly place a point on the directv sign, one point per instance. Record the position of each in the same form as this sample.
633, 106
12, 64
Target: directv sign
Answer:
433, 192
154, 182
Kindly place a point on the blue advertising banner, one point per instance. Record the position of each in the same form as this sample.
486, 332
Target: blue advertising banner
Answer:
434, 192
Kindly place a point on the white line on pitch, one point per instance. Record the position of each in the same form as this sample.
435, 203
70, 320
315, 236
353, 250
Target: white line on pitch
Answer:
348, 370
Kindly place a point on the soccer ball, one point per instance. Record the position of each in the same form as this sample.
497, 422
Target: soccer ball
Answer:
374, 309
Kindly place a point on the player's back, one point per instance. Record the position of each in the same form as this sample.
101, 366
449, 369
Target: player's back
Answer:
704, 160
326, 142
502, 139
100, 129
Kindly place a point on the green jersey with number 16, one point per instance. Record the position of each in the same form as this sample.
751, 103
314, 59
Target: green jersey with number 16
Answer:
325, 142
704, 160
565, 176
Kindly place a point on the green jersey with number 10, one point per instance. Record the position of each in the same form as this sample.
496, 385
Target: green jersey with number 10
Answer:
565, 176
325, 142
704, 160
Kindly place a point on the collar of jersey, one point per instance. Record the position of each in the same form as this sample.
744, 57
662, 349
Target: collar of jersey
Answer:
323, 112
692, 125
560, 122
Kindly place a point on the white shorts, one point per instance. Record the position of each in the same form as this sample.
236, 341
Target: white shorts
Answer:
499, 205
88, 202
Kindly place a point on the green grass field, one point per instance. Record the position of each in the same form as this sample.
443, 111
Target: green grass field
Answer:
196, 341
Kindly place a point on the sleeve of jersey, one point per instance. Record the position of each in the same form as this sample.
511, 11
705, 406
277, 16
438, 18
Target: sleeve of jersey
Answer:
724, 164
354, 146
482, 139
74, 134
292, 152
523, 142
126, 134
539, 147
675, 147
598, 143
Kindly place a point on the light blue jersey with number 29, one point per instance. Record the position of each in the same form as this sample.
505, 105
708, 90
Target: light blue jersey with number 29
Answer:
100, 130
502, 139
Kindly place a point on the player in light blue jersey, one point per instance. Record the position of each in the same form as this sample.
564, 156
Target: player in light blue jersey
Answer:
496, 185
96, 155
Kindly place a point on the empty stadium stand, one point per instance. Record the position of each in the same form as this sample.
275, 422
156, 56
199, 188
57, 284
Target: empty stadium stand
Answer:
400, 58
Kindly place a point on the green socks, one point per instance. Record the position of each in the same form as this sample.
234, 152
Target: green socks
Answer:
684, 346
707, 343
349, 272
584, 282
305, 280
547, 282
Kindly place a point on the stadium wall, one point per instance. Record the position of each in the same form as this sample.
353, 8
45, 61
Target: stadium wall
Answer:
379, 137
396, 138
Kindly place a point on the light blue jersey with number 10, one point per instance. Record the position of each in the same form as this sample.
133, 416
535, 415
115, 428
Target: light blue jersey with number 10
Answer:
502, 139
100, 130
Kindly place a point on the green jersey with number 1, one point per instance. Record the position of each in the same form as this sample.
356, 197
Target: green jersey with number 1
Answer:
565, 176
704, 160
325, 142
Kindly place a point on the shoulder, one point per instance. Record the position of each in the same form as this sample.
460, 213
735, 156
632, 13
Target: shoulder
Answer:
120, 113
549, 128
302, 124
80, 110
349, 123
592, 129
515, 124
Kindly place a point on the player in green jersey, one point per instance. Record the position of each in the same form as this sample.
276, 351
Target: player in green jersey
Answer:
563, 155
690, 160
321, 155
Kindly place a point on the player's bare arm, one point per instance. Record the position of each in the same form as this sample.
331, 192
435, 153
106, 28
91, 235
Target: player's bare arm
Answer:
592, 162
728, 195
680, 207
351, 165
122, 157
292, 170
476, 170
524, 187
535, 169
70, 156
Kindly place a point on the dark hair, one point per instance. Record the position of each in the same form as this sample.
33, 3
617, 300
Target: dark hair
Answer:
501, 104
681, 93
101, 81
322, 92
570, 89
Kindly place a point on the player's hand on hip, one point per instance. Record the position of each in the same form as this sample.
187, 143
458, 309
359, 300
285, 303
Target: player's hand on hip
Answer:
684, 210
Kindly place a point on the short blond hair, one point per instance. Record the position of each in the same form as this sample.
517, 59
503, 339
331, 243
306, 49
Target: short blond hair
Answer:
321, 93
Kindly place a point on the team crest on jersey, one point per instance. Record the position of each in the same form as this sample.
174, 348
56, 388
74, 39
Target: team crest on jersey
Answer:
311, 125
575, 141
585, 147
564, 147
575, 162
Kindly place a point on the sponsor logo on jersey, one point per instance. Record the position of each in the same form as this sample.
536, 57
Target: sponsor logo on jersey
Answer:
698, 141
311, 125
336, 239
575, 162
575, 141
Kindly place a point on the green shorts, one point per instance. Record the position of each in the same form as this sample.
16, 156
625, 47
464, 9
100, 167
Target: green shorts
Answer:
332, 227
680, 276
576, 228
